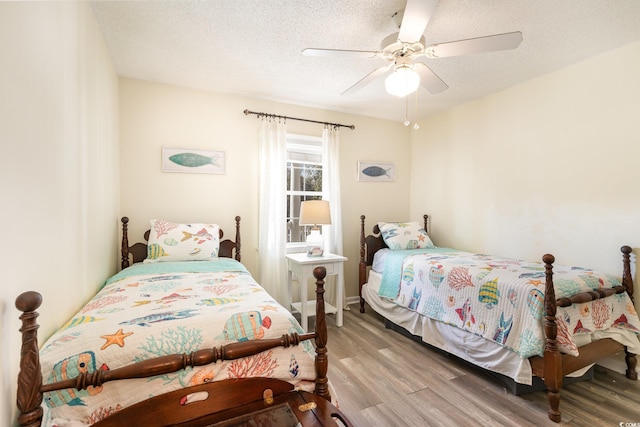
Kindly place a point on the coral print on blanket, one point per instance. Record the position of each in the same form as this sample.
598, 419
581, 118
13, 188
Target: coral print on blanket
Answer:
155, 309
503, 299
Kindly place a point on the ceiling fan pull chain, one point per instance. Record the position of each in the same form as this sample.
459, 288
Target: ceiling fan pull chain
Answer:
416, 126
406, 111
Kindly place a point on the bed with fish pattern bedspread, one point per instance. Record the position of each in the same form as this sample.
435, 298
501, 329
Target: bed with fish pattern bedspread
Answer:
156, 327
151, 310
544, 319
502, 299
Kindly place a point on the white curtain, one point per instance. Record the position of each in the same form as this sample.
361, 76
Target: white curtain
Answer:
331, 181
272, 216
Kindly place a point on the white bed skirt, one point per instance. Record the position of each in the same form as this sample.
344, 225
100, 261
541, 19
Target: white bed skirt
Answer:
460, 343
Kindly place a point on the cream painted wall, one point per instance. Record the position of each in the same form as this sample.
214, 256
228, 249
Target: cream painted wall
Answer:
59, 169
153, 115
549, 166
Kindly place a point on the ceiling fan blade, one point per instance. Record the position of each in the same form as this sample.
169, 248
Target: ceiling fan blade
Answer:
340, 53
476, 45
416, 17
367, 79
428, 79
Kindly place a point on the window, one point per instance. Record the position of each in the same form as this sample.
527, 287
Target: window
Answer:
304, 182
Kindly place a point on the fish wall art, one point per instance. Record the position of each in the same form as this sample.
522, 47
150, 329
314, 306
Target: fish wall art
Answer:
187, 160
376, 171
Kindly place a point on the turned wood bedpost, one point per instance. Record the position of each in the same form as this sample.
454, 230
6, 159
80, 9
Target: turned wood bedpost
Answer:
322, 361
125, 243
425, 218
627, 282
627, 279
238, 243
552, 357
362, 269
29, 396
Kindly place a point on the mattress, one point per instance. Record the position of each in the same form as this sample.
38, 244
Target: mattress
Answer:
460, 343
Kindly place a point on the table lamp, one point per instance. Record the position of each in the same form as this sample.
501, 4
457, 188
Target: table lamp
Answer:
315, 212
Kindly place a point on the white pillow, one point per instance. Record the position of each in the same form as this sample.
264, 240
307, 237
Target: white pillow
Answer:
169, 241
404, 235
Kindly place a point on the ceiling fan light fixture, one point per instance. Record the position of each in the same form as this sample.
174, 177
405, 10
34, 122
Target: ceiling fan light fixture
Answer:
403, 81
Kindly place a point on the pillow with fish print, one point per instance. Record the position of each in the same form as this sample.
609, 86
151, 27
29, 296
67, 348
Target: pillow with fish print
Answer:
404, 235
169, 241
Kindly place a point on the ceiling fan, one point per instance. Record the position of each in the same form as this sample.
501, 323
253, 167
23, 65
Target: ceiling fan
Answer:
406, 52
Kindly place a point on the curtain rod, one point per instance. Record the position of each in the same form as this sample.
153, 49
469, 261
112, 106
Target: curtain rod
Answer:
275, 116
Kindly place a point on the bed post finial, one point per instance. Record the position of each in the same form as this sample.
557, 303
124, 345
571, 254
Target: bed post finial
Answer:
29, 396
627, 279
124, 261
425, 218
322, 361
238, 256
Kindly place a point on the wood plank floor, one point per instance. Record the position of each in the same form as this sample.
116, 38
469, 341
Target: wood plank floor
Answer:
372, 371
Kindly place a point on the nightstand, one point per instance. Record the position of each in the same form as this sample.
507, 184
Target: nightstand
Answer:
302, 266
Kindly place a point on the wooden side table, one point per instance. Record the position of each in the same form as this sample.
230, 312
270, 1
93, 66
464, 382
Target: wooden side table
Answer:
302, 266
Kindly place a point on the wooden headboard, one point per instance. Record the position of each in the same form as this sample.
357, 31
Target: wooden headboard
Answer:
138, 251
372, 243
369, 245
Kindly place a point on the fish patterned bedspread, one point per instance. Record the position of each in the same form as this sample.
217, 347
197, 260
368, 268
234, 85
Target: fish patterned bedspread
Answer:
155, 309
502, 299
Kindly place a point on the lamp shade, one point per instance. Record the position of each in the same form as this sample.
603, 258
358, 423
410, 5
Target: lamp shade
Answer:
315, 212
402, 81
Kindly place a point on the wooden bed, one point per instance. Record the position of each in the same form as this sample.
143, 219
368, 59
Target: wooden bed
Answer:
553, 365
215, 400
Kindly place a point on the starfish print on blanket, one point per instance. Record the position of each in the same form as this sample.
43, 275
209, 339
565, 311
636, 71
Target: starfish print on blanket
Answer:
117, 338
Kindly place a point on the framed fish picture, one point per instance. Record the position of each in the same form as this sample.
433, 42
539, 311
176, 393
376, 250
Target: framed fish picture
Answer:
187, 160
376, 171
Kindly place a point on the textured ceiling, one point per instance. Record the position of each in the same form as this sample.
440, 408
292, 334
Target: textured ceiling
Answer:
253, 47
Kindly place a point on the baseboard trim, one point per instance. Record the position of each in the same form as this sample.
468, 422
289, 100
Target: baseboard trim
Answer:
353, 300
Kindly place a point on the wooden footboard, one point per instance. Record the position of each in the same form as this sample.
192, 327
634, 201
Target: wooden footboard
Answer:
553, 366
31, 388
